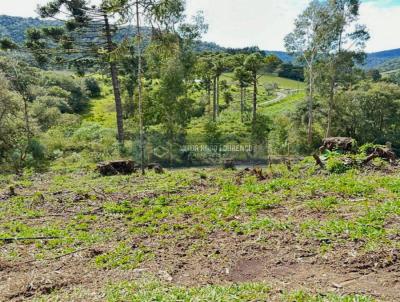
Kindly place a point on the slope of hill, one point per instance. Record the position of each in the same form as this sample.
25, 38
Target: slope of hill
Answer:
380, 58
284, 56
391, 65
15, 28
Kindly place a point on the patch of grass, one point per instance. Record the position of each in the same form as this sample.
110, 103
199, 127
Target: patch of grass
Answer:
324, 204
302, 296
368, 228
285, 106
193, 209
123, 257
156, 291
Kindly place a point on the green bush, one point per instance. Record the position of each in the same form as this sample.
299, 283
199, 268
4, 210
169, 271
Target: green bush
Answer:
336, 165
93, 87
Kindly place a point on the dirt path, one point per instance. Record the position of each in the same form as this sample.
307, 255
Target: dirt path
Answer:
279, 97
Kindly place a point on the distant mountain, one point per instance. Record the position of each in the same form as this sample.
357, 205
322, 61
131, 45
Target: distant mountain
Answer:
383, 59
15, 28
284, 56
390, 65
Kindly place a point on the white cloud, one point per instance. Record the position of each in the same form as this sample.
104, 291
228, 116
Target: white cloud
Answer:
238, 23
383, 23
21, 8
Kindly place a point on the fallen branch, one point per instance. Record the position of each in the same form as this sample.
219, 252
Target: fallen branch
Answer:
53, 258
9, 240
319, 161
370, 157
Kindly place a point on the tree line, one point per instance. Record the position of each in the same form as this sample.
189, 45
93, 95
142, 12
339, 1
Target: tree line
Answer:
160, 84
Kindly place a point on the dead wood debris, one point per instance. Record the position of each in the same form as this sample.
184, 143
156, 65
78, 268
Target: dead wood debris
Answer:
319, 161
257, 172
116, 167
156, 167
344, 144
229, 164
10, 240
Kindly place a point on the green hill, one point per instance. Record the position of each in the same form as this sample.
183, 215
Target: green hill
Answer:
15, 27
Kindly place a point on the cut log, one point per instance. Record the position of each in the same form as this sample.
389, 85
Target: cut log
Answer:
345, 144
116, 167
156, 167
152, 166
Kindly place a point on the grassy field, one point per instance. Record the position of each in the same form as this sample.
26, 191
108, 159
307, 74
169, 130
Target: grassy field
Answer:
284, 106
201, 235
283, 83
269, 78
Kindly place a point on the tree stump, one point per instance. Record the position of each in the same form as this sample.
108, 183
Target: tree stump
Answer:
344, 144
229, 164
116, 167
156, 167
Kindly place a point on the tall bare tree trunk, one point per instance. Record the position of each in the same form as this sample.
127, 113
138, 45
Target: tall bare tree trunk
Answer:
115, 83
131, 100
217, 103
26, 118
310, 106
241, 103
254, 100
330, 109
332, 85
215, 100
209, 96
139, 75
26, 107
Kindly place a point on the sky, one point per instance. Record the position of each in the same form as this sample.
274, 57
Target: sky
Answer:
264, 23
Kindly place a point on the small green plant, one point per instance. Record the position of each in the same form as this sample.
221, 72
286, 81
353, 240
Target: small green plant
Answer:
124, 207
123, 257
146, 291
301, 296
336, 165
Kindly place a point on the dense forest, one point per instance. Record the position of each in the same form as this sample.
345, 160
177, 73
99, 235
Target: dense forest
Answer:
140, 163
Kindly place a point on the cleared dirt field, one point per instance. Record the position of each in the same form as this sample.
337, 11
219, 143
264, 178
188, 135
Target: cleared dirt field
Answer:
201, 235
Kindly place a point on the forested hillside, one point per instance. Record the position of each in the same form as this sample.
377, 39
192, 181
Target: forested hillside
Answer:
382, 59
15, 27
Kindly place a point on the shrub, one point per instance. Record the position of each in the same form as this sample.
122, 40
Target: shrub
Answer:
336, 165
93, 87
